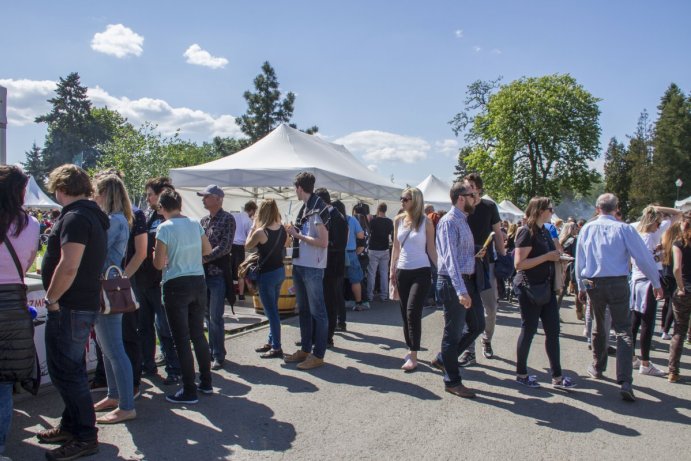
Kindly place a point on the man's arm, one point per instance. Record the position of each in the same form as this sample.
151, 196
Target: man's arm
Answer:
141, 242
225, 242
499, 239
65, 272
160, 255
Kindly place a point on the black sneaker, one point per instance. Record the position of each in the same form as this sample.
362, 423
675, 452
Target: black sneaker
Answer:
217, 365
341, 327
626, 392
205, 389
180, 397
241, 297
487, 350
72, 450
171, 379
467, 359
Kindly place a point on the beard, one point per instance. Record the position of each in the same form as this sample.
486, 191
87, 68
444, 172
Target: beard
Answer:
468, 208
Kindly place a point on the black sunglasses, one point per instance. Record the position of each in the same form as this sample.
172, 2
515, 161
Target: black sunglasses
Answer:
550, 209
405, 199
472, 194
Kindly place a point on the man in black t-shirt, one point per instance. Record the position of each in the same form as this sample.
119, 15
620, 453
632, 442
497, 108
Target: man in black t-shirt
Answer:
380, 238
71, 269
483, 221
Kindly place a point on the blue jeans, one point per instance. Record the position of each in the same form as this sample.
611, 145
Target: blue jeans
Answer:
67, 332
309, 293
5, 412
115, 360
461, 325
216, 291
269, 290
152, 321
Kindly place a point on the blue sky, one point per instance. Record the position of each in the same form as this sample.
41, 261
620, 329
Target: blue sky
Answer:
383, 78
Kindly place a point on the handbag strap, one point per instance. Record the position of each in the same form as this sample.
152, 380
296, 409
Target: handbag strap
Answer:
271, 252
10, 248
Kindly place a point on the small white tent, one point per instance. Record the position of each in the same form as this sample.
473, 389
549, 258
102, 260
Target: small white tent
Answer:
268, 167
436, 192
35, 198
512, 211
683, 205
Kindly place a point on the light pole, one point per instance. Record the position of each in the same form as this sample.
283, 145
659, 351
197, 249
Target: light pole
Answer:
678, 183
3, 125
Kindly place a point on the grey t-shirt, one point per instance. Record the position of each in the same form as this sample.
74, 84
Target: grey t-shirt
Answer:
310, 255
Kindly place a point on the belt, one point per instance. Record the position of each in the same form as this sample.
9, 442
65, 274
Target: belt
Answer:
468, 276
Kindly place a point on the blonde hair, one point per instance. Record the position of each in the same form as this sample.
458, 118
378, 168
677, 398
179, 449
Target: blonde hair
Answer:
566, 232
416, 214
268, 213
670, 236
115, 199
650, 216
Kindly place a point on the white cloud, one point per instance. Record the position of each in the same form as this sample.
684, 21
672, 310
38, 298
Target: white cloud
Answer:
448, 147
119, 41
477, 49
27, 99
373, 167
377, 146
200, 57
496, 51
458, 33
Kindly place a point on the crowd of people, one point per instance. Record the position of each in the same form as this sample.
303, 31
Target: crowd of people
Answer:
184, 271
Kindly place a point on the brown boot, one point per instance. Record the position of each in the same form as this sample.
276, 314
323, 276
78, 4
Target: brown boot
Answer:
299, 356
461, 391
310, 362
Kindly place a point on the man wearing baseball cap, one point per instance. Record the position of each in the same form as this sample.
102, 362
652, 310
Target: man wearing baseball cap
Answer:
219, 227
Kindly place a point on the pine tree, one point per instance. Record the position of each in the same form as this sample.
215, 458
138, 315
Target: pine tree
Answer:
34, 163
639, 157
617, 178
671, 146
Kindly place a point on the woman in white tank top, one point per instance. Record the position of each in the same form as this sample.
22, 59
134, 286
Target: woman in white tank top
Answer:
410, 273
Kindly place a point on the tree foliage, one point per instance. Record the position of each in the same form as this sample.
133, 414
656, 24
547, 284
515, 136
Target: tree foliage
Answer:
265, 107
534, 136
73, 130
617, 173
34, 163
640, 158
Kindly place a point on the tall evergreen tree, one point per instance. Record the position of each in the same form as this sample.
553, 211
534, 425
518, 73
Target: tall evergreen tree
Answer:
617, 175
34, 163
639, 157
73, 132
671, 146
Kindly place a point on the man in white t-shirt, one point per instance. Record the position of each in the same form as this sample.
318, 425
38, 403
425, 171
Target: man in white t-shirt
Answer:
243, 224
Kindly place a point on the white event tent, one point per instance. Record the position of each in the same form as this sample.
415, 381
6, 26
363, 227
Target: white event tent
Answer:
436, 192
36, 198
683, 205
512, 211
267, 169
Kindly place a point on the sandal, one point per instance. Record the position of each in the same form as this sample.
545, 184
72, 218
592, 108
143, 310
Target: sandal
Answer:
106, 405
264, 348
272, 354
117, 416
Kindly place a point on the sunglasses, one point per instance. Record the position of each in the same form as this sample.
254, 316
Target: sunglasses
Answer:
550, 209
405, 199
472, 194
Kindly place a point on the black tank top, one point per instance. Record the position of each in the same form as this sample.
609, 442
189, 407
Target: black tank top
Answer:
274, 260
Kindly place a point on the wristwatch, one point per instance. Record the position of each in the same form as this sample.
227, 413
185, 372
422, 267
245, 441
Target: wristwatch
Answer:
47, 302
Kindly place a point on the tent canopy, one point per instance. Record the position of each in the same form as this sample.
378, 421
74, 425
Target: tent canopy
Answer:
683, 205
436, 192
509, 207
35, 198
273, 161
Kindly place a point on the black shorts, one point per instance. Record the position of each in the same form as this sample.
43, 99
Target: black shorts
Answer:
237, 256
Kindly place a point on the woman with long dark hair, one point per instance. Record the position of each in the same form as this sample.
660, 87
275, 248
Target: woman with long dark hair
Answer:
534, 258
269, 236
681, 301
19, 235
410, 272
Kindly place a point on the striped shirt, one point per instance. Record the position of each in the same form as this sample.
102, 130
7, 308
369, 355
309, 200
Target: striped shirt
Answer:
455, 249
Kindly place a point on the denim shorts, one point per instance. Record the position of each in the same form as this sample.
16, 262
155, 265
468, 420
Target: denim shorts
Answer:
354, 269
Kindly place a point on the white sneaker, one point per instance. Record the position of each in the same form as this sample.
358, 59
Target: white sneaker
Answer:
665, 336
637, 363
651, 370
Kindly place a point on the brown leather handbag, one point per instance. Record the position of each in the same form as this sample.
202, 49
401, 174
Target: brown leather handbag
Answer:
117, 296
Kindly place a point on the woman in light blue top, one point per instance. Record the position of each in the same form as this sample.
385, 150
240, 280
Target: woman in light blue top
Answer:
180, 245
111, 196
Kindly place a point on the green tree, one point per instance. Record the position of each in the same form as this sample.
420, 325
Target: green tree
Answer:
461, 168
265, 107
73, 132
639, 158
34, 164
671, 146
534, 136
617, 174
223, 147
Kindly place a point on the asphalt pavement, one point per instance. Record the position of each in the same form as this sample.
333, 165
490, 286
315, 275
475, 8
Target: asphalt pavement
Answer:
360, 405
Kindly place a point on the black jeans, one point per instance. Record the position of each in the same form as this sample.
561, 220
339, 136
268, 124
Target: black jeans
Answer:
67, 332
335, 302
461, 326
646, 323
184, 299
530, 316
130, 338
413, 286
